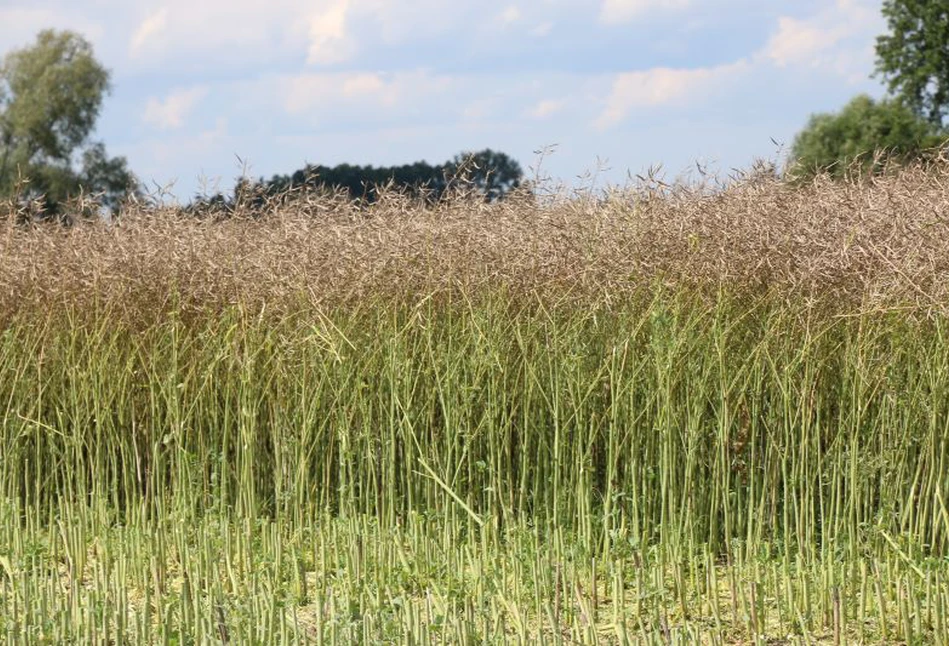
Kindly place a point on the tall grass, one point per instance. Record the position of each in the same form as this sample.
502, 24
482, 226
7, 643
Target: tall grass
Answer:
632, 453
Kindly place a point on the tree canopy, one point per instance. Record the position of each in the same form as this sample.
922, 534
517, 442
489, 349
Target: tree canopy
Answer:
834, 142
490, 173
913, 58
51, 94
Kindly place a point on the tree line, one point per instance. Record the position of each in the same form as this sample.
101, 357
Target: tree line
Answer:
51, 94
912, 60
490, 174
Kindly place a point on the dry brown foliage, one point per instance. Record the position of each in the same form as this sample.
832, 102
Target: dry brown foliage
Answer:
879, 240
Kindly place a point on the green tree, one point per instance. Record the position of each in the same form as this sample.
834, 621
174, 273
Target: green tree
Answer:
50, 97
492, 173
833, 142
913, 58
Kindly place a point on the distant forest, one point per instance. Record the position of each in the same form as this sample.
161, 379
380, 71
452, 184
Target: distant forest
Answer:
489, 173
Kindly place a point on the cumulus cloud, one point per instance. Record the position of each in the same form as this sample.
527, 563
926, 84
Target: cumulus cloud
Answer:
147, 30
323, 32
329, 40
798, 41
823, 39
306, 93
399, 22
545, 108
509, 15
211, 34
619, 11
661, 86
833, 39
172, 111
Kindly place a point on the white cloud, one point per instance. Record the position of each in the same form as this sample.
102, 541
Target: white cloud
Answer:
546, 108
222, 34
152, 26
661, 86
209, 35
618, 11
329, 41
363, 84
801, 41
509, 15
834, 40
822, 40
398, 22
171, 112
308, 93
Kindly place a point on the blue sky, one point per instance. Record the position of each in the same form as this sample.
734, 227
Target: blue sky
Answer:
616, 85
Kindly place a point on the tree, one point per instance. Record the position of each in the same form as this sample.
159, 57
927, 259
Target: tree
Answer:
913, 58
492, 173
833, 142
50, 97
